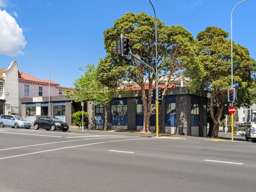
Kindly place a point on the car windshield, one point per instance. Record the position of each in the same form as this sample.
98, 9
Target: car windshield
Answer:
19, 118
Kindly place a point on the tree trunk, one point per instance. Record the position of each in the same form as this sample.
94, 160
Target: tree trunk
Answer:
216, 111
105, 117
145, 111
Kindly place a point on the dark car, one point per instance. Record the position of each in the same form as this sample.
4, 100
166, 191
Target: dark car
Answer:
50, 123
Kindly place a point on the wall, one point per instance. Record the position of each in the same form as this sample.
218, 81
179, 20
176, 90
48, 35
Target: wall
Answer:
11, 89
34, 90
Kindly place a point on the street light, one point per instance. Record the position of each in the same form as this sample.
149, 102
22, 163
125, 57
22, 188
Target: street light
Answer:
156, 68
231, 56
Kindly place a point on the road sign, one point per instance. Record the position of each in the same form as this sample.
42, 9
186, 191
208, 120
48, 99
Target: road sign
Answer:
231, 110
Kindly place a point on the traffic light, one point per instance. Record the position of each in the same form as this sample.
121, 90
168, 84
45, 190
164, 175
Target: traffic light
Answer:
232, 95
126, 46
123, 46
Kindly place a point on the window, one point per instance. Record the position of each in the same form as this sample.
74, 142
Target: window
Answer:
170, 118
26, 90
60, 92
40, 91
119, 115
59, 110
30, 110
1, 87
195, 115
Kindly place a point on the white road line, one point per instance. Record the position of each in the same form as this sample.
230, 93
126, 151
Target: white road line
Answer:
30, 134
84, 136
68, 147
48, 143
223, 162
117, 151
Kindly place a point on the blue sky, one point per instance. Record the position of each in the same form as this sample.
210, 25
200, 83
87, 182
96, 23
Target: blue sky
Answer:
64, 36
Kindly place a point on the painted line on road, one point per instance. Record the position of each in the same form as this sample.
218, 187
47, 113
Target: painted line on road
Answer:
67, 147
124, 152
223, 162
171, 138
31, 134
43, 144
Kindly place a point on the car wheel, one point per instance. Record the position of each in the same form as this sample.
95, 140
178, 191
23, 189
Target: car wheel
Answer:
1, 125
53, 128
64, 130
36, 126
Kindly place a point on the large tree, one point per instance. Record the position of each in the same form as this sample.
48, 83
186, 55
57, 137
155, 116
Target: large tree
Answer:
139, 28
210, 71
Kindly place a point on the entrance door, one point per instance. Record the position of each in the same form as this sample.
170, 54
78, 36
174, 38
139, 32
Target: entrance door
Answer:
44, 111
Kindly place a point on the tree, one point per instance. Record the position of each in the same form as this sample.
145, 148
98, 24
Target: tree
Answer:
88, 88
210, 71
140, 31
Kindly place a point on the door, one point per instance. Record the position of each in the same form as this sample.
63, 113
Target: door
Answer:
11, 121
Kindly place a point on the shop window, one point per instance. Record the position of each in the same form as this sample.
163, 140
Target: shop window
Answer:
31, 110
59, 110
170, 118
195, 120
119, 114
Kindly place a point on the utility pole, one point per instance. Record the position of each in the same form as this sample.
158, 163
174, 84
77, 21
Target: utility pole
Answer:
156, 68
232, 61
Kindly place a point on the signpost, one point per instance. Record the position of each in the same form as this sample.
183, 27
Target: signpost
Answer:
231, 112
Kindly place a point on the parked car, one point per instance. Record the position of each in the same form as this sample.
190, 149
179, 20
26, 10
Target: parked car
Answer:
251, 132
50, 123
14, 121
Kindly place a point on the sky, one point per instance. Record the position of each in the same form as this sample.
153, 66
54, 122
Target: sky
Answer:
57, 39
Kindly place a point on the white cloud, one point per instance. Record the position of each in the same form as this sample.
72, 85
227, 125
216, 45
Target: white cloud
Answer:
12, 40
3, 3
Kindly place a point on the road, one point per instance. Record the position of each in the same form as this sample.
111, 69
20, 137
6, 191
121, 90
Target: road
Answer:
42, 161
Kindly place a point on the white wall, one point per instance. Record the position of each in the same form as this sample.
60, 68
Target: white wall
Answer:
11, 89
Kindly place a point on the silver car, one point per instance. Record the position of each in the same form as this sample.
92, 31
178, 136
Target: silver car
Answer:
14, 121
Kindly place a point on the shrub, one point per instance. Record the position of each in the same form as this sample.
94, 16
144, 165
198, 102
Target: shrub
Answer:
77, 118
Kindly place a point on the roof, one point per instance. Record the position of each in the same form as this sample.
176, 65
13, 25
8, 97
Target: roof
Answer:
25, 77
1, 73
136, 87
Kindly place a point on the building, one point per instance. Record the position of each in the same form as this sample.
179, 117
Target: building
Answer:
29, 96
184, 113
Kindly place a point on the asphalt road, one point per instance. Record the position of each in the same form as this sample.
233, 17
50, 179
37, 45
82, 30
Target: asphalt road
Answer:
42, 161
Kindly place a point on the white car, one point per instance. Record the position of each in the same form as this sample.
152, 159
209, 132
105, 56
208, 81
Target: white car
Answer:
251, 132
14, 121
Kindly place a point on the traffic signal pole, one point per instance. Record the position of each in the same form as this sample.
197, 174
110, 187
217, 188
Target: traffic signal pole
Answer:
156, 68
232, 58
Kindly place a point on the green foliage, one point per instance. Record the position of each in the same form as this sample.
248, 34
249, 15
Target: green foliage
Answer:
77, 118
88, 88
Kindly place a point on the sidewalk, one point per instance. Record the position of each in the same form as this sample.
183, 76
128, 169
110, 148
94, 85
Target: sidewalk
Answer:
227, 136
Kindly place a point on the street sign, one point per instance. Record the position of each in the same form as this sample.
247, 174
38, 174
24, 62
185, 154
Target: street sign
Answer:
231, 110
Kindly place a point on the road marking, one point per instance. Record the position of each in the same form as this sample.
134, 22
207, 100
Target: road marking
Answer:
30, 134
48, 143
68, 147
223, 162
171, 138
117, 151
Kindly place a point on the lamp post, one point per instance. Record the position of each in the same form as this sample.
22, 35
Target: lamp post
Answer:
231, 57
156, 68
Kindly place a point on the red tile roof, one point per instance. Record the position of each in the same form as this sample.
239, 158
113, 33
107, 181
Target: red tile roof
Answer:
25, 77
136, 87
